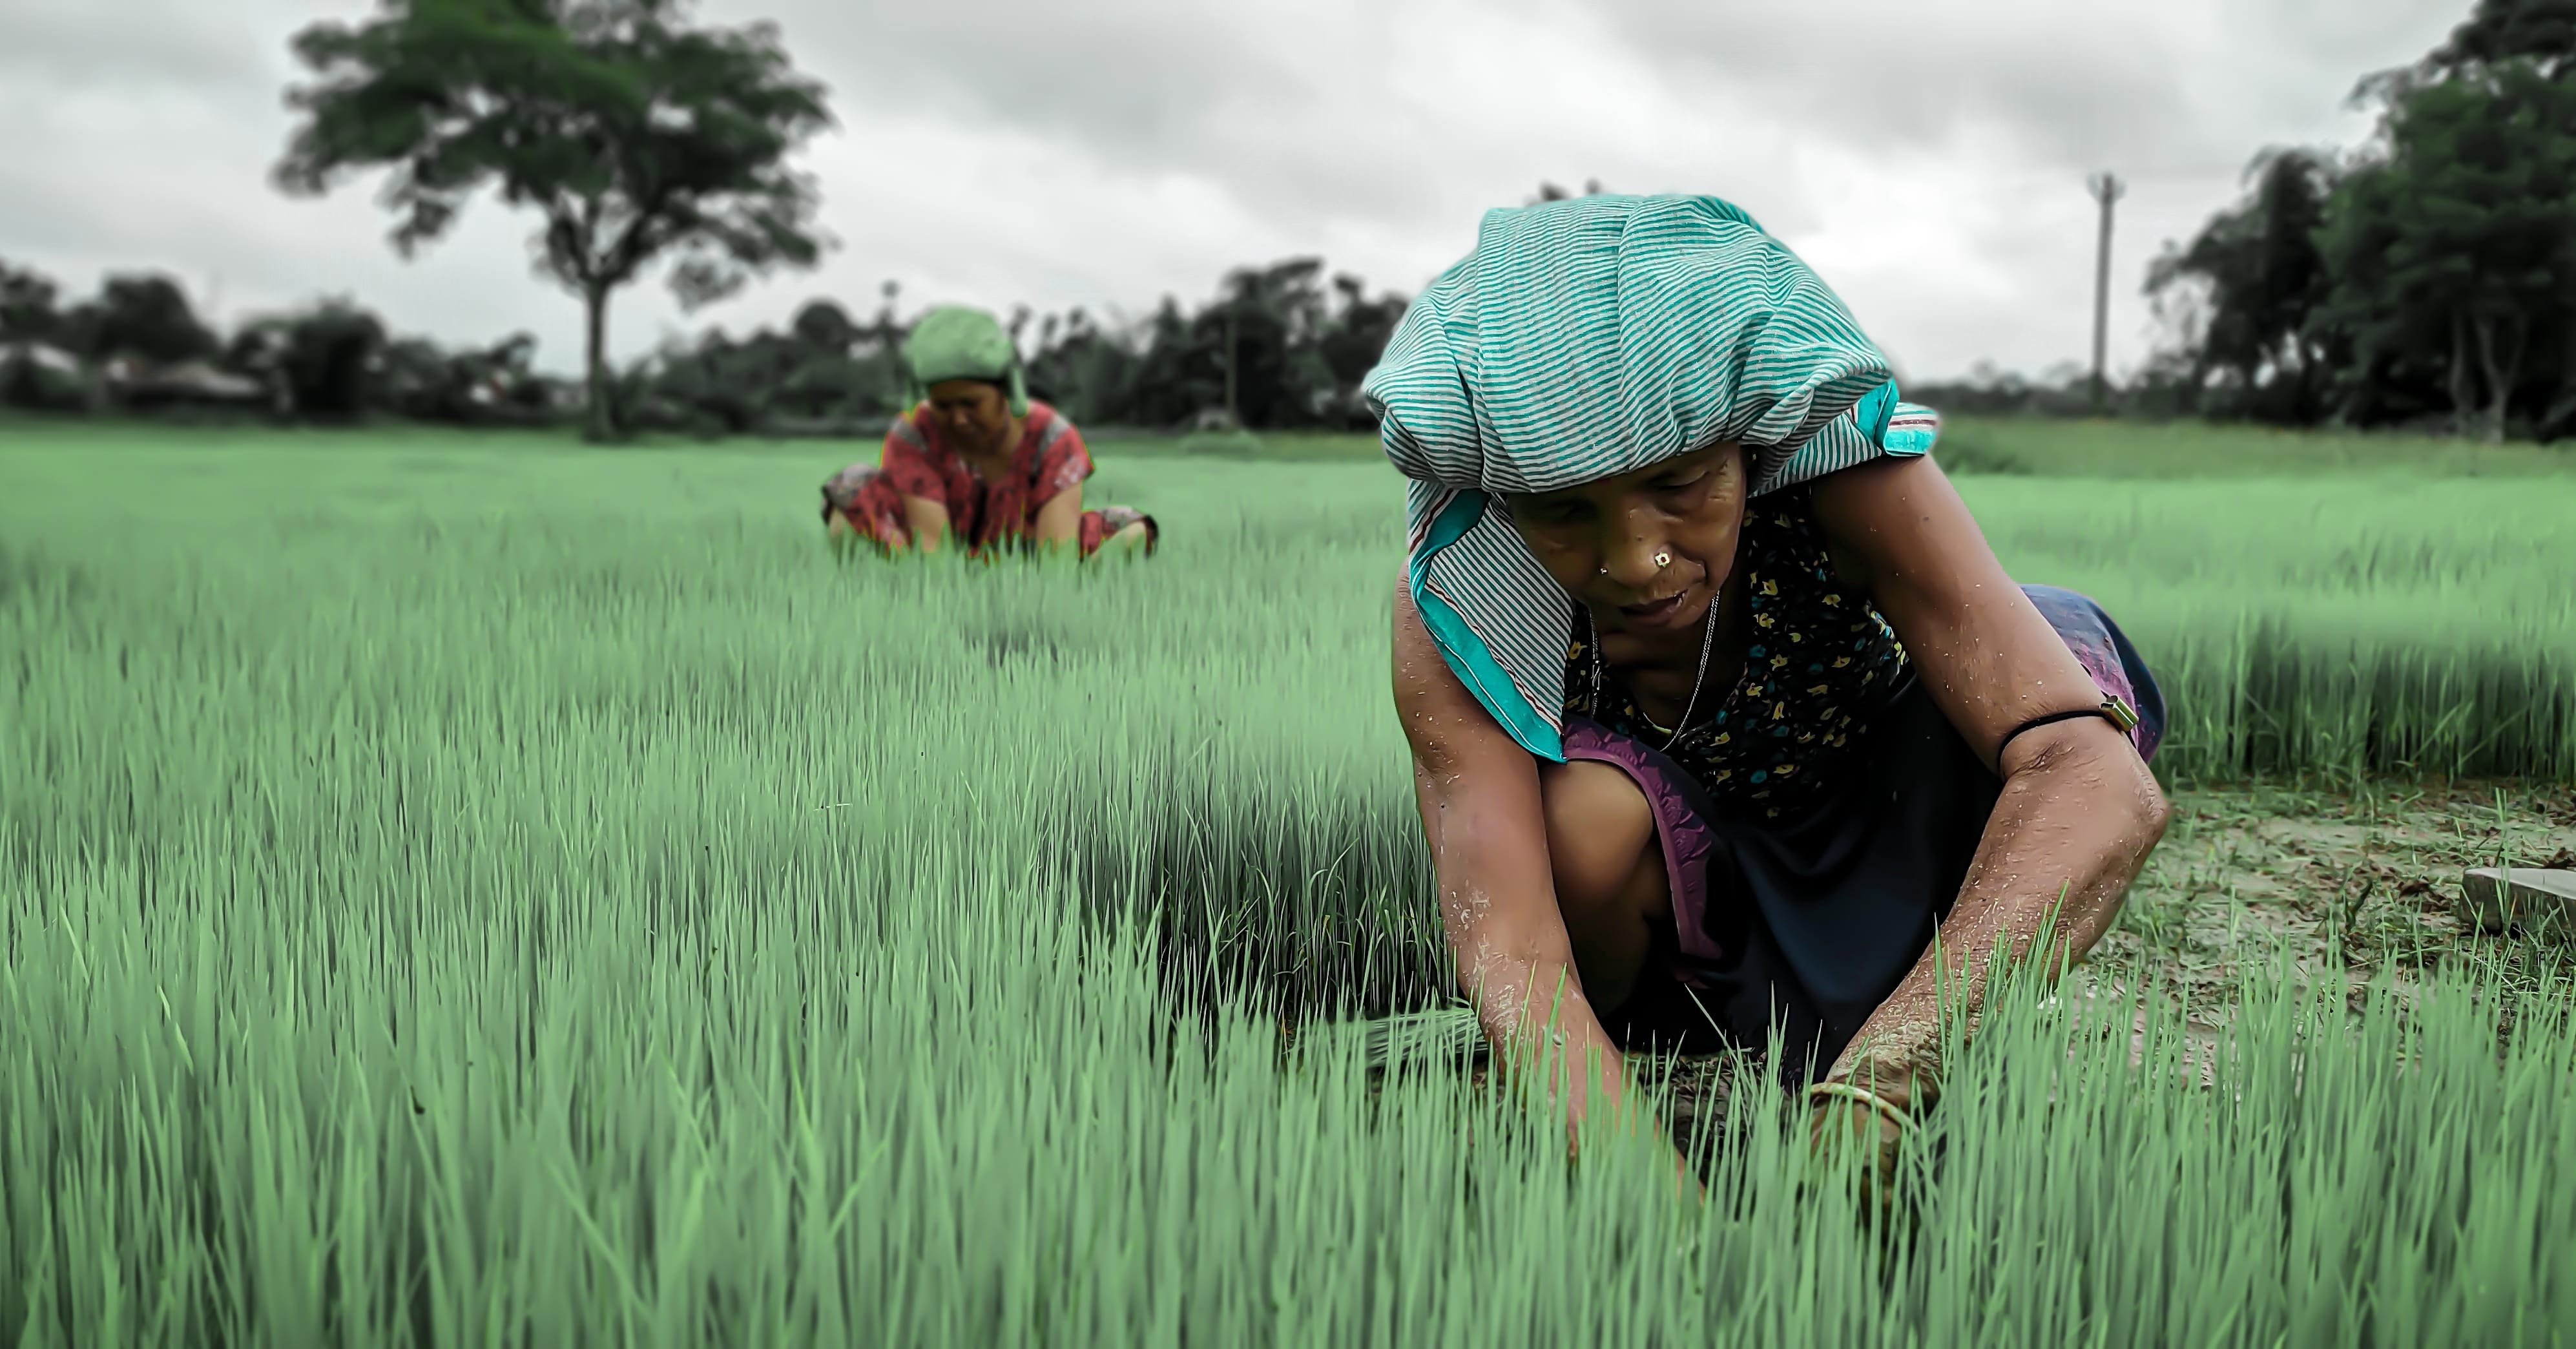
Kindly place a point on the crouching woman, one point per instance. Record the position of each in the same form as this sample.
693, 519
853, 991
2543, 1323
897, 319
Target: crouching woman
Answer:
976, 459
1720, 705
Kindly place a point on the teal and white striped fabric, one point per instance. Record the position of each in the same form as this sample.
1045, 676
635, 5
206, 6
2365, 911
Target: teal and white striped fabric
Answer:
1588, 338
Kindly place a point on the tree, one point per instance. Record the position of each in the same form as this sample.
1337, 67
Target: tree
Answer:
2258, 279
330, 360
415, 379
1551, 192
26, 304
2434, 269
1265, 327
638, 137
2460, 238
145, 316
1292, 349
825, 326
1356, 336
2502, 31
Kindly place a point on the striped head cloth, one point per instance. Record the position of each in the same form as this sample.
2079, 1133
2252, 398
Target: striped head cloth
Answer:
955, 342
1587, 338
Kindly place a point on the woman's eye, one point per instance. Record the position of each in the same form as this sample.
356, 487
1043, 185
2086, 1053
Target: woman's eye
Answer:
1546, 512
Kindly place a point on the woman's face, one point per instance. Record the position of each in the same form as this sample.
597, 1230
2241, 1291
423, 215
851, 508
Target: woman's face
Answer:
972, 411
1601, 540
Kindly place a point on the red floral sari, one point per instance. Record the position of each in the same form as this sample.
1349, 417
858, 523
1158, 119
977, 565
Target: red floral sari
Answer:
919, 461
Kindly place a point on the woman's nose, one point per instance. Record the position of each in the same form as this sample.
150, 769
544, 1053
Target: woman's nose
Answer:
1629, 558
1632, 547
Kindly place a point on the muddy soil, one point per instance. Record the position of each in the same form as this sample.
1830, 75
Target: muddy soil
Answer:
2351, 883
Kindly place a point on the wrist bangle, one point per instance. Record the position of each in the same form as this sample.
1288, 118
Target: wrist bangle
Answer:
1866, 1097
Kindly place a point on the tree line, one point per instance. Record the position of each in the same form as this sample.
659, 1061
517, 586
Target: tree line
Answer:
140, 345
1281, 346
2426, 278
642, 141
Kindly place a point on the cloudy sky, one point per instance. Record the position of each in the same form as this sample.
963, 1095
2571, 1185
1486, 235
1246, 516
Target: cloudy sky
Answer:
1928, 156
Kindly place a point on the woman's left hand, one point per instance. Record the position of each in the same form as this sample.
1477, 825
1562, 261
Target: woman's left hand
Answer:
1840, 1125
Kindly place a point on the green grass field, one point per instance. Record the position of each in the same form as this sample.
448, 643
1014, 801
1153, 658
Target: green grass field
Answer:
492, 892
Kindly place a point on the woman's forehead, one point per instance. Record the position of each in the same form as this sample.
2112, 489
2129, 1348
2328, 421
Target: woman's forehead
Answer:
1637, 477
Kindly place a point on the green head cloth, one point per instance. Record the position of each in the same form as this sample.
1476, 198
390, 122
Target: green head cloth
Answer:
1582, 340
955, 342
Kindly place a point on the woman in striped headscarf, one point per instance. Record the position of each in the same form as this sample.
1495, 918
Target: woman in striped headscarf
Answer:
977, 458
1720, 705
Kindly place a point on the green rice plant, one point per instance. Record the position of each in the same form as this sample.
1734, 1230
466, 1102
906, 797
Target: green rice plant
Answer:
507, 896
2374, 623
936, 1124
2152, 450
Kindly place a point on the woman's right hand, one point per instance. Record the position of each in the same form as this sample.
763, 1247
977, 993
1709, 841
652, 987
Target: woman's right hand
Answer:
1483, 817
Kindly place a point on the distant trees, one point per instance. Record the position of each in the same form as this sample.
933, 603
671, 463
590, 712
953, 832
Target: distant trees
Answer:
823, 373
139, 343
639, 138
322, 364
2432, 273
475, 385
643, 139
26, 305
2456, 249
1294, 344
2258, 276
1296, 338
55, 358
1551, 192
145, 317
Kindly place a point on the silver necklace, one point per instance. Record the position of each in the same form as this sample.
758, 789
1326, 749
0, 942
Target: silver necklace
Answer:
1707, 641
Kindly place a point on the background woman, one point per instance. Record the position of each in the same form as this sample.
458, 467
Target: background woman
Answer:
976, 458
1719, 702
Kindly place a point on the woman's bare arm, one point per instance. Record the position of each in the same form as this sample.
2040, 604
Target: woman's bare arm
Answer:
1059, 521
1479, 795
2079, 810
927, 522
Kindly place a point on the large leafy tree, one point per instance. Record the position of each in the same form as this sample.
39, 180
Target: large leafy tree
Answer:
2542, 32
825, 326
26, 304
146, 316
1279, 347
2454, 246
640, 138
495, 383
2261, 278
328, 360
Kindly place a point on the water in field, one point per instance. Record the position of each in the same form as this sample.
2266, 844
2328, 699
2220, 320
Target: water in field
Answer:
474, 892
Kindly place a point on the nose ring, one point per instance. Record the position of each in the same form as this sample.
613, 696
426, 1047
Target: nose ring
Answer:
1663, 560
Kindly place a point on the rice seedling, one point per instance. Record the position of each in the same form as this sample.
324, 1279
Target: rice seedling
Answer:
451, 895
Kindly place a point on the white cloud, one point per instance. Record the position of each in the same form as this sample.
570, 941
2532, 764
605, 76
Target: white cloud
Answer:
1929, 159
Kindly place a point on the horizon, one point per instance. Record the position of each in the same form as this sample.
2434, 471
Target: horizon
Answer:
1115, 159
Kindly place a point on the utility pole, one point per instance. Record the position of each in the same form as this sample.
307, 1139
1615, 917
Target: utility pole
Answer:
2107, 189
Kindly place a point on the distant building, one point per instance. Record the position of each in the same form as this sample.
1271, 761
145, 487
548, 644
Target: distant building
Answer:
137, 384
42, 356
41, 375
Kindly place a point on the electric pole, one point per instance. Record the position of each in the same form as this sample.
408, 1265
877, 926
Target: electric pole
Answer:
2107, 189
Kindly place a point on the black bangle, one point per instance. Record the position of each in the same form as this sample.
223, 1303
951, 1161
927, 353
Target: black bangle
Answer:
2114, 710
